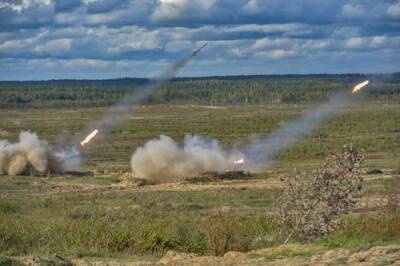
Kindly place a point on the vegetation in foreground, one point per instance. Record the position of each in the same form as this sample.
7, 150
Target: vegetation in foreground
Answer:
96, 224
201, 222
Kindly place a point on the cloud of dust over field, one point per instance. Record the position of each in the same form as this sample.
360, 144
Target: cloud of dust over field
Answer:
163, 160
32, 155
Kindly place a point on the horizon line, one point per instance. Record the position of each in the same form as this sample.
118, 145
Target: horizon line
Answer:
206, 77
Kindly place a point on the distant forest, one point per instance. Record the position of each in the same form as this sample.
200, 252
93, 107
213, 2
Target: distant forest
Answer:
208, 90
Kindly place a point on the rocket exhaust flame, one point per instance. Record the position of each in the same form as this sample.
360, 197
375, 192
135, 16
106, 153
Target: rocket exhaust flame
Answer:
89, 137
239, 161
359, 86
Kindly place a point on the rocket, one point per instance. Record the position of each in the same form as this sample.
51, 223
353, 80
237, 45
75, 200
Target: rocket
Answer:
195, 52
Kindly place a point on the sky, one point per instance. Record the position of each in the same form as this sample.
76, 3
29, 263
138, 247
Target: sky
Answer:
99, 39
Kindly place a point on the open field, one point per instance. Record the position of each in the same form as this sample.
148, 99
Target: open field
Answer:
372, 126
97, 216
199, 132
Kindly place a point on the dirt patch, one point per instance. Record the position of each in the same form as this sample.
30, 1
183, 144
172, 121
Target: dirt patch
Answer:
4, 133
212, 107
65, 185
282, 255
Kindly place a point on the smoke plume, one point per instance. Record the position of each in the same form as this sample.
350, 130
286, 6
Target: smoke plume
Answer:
32, 155
163, 160
119, 112
261, 151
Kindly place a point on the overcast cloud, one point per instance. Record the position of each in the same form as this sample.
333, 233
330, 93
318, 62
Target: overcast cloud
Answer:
46, 39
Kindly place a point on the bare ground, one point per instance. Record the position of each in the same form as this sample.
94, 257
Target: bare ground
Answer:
293, 254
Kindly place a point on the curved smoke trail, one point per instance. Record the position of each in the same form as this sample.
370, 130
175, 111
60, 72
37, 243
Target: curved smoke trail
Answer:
260, 152
119, 112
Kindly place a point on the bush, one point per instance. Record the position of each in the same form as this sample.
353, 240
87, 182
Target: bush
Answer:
156, 241
311, 206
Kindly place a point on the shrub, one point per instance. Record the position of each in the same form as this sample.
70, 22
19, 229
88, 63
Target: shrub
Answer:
156, 241
311, 206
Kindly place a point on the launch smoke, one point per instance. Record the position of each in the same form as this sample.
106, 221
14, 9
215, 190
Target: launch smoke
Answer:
261, 151
163, 159
32, 155
120, 111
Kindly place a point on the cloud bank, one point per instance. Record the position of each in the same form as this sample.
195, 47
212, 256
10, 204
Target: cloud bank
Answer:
250, 36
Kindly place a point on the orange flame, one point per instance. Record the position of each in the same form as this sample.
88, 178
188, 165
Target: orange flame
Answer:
239, 161
359, 86
89, 137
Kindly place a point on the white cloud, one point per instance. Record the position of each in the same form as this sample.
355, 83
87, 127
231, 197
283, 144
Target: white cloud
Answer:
394, 10
275, 54
54, 46
238, 52
252, 7
92, 63
312, 44
355, 42
346, 32
176, 46
170, 9
266, 42
352, 11
129, 38
24, 4
176, 9
377, 41
101, 19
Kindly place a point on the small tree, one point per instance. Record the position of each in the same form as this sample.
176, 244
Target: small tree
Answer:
311, 206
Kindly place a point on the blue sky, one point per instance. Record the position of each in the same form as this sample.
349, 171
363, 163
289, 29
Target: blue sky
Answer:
52, 39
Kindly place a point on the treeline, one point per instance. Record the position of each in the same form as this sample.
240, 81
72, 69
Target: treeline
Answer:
207, 90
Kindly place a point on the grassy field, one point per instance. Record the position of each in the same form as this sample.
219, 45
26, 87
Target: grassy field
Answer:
95, 216
372, 126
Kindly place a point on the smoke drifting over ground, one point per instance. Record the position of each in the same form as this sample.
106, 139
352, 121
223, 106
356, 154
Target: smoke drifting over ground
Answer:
163, 160
32, 155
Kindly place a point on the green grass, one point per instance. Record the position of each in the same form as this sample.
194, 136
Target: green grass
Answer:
366, 230
131, 224
123, 225
282, 254
286, 254
371, 126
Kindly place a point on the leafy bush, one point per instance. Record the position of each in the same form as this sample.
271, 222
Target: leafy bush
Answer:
311, 206
156, 241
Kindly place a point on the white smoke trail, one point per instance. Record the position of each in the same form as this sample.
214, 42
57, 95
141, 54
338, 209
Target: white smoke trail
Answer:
119, 112
163, 160
32, 155
261, 151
